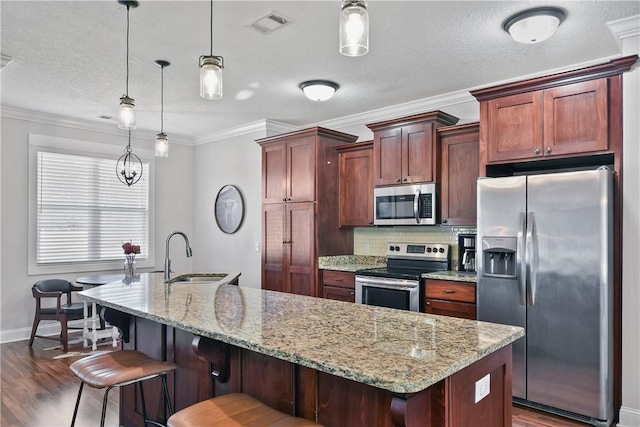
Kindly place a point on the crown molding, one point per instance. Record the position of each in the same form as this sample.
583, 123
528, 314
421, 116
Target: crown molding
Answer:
267, 126
399, 110
625, 27
79, 124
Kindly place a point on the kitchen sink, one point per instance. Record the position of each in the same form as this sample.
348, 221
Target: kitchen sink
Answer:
198, 277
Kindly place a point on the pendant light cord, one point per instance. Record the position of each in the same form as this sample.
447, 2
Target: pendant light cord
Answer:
211, 28
127, 86
162, 99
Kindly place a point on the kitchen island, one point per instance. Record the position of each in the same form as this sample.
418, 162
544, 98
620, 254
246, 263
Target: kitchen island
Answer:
338, 363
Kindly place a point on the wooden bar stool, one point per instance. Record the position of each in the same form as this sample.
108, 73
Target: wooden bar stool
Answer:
117, 369
237, 409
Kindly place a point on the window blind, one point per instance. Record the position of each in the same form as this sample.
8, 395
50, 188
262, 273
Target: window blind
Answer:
84, 213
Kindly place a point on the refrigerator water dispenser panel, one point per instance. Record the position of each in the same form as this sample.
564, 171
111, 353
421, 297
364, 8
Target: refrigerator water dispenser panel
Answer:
499, 256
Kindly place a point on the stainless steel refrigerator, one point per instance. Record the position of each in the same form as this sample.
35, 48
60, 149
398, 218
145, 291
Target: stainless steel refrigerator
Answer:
545, 262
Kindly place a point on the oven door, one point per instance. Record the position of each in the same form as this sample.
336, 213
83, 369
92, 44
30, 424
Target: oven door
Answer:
384, 292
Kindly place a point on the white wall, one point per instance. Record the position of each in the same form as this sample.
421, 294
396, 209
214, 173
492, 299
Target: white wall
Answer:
174, 199
233, 161
630, 411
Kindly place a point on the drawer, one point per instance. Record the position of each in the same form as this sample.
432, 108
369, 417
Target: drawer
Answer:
462, 310
342, 279
339, 294
451, 290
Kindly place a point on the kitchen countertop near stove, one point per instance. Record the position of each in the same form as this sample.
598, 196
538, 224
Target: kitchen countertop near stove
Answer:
396, 350
351, 263
453, 275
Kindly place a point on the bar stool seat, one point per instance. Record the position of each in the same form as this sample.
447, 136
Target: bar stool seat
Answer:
236, 409
117, 369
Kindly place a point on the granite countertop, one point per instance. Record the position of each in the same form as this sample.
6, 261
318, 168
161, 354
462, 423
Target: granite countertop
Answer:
395, 350
453, 275
351, 263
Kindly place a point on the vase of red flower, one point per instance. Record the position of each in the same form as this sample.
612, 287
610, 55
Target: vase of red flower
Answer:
130, 252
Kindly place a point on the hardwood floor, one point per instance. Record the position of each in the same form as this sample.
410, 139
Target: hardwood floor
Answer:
40, 391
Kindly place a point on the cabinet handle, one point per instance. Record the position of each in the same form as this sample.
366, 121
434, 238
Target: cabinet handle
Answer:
405, 179
398, 180
444, 221
548, 150
339, 279
537, 151
284, 200
449, 291
428, 302
352, 293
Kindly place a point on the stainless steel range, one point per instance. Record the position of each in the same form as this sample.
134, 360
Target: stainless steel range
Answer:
398, 284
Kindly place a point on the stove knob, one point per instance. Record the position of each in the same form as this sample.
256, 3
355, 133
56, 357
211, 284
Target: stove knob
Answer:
428, 249
398, 248
441, 250
391, 248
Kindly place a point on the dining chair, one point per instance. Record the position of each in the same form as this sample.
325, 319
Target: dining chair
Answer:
63, 312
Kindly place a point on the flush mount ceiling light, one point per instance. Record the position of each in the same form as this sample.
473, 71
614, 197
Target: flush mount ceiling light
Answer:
162, 142
211, 70
319, 90
127, 112
534, 25
354, 28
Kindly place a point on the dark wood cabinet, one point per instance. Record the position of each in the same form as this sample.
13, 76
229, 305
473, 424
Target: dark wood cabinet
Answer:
450, 298
404, 150
459, 154
339, 285
300, 174
565, 120
356, 184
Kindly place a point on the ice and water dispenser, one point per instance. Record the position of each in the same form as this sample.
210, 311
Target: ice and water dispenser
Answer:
499, 256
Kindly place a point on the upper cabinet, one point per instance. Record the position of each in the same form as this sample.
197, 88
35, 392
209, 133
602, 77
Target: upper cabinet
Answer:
356, 184
404, 150
288, 170
570, 119
459, 153
566, 115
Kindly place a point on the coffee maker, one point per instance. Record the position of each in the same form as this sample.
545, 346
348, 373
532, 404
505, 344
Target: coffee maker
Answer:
467, 252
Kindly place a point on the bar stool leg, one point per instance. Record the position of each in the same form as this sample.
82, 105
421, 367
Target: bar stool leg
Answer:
166, 394
75, 411
105, 400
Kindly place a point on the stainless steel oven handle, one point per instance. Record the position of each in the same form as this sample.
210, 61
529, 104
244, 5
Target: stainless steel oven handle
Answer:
416, 205
381, 282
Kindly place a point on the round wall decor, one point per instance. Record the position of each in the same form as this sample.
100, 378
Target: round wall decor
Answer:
229, 209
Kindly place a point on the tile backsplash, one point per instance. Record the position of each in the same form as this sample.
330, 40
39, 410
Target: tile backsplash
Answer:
373, 240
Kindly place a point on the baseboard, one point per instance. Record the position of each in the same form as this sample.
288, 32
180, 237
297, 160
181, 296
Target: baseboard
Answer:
44, 328
629, 417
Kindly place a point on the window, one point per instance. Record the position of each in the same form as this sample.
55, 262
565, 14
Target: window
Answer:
83, 213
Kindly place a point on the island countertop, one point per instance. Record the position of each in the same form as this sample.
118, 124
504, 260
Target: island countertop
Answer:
399, 351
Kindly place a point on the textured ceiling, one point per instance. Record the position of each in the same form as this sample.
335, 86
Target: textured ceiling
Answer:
69, 56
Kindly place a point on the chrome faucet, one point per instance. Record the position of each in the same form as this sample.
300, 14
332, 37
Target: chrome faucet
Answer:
167, 260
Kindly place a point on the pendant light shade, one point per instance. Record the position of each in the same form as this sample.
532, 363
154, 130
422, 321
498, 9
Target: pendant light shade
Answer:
129, 166
162, 141
127, 111
211, 76
534, 25
354, 28
211, 70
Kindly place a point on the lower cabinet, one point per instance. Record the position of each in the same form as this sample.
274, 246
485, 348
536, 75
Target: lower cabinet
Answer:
450, 298
338, 285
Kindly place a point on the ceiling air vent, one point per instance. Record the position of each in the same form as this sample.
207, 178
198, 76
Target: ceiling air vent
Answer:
270, 22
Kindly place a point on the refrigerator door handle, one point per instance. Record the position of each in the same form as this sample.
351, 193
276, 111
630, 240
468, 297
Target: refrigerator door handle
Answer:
520, 261
532, 260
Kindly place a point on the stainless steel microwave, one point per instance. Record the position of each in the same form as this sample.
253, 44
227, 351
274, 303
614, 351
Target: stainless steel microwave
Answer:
405, 205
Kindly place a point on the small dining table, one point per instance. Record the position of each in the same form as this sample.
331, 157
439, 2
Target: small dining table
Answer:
96, 332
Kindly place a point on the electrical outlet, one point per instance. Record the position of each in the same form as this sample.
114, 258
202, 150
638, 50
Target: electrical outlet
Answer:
483, 387
258, 247
366, 248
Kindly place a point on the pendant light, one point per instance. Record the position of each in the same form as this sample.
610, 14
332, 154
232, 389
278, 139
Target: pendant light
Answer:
127, 111
354, 28
162, 142
129, 166
211, 70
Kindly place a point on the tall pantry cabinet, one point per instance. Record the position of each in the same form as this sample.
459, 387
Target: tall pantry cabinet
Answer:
300, 172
